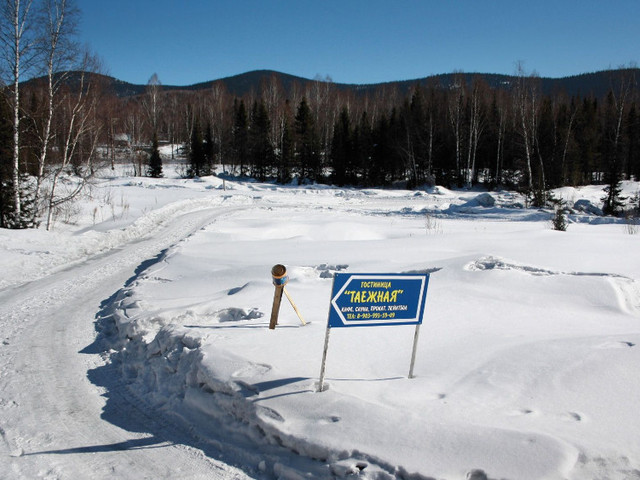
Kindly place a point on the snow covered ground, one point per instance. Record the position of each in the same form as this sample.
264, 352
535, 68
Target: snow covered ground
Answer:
526, 364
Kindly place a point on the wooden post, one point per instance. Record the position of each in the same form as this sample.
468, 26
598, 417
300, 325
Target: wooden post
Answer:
279, 274
277, 298
294, 306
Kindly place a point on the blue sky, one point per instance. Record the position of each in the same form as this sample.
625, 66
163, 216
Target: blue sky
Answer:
357, 41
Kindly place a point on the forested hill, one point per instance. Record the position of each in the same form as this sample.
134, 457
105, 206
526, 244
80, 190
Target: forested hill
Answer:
523, 132
596, 83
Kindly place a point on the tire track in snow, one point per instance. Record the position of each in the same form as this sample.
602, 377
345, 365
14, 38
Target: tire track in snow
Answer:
52, 416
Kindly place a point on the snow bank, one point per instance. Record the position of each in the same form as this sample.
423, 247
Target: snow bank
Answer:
529, 335
526, 362
31, 254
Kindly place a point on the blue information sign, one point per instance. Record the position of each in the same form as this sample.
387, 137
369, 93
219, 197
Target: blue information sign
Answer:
359, 299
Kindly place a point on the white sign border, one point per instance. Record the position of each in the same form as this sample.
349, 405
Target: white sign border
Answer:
386, 321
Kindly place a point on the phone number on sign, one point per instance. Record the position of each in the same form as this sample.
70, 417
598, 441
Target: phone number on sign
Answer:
370, 316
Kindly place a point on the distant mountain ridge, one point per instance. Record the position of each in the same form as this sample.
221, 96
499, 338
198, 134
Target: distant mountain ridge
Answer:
595, 83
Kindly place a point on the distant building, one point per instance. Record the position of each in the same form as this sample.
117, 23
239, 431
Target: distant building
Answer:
122, 140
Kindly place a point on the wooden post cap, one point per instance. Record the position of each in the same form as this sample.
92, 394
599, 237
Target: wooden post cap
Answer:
279, 274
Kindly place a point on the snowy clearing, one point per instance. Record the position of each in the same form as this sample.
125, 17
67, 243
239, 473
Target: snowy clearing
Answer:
136, 341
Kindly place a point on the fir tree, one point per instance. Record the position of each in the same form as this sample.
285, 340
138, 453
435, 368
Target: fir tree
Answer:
341, 148
633, 147
362, 150
154, 168
611, 153
260, 149
613, 201
240, 136
559, 220
197, 162
586, 135
379, 171
307, 144
210, 148
415, 117
28, 208
285, 154
6, 182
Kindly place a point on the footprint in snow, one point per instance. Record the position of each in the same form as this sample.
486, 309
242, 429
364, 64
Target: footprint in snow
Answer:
252, 370
616, 344
270, 414
435, 396
520, 412
574, 416
329, 420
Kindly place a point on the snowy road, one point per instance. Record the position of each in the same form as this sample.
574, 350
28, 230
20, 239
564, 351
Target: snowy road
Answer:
63, 430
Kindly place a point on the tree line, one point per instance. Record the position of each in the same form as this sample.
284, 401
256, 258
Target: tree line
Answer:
462, 135
67, 120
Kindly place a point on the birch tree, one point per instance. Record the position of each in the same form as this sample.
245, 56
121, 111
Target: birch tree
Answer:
57, 22
617, 100
430, 127
567, 139
77, 139
151, 102
476, 126
16, 39
455, 118
525, 98
622, 84
218, 102
324, 116
500, 113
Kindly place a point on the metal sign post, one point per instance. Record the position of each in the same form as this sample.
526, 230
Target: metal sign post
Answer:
324, 359
367, 300
415, 348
